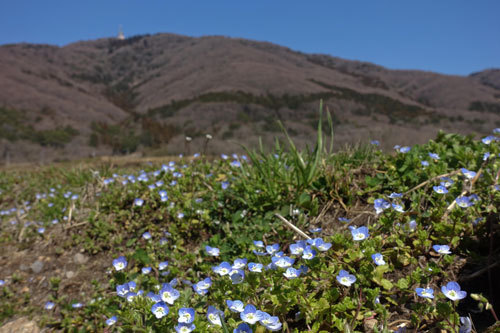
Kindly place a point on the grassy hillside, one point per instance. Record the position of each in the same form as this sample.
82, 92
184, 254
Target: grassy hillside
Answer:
352, 241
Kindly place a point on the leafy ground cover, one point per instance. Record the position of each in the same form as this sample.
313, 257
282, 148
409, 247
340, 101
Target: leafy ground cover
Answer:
274, 240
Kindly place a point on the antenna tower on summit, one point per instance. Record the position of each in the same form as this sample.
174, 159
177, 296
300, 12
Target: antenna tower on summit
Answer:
120, 36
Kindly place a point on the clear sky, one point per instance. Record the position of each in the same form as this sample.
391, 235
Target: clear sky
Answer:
447, 36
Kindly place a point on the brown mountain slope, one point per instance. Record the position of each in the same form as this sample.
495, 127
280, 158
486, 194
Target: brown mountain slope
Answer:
149, 92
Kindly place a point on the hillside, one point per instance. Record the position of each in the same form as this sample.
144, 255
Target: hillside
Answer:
147, 93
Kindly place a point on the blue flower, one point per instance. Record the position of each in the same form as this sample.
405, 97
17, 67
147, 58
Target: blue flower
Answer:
76, 305
110, 321
185, 328
213, 251
292, 273
283, 262
442, 249
380, 205
154, 297
258, 243
398, 208
120, 263
453, 292
201, 287
297, 248
237, 276
250, 315
440, 189
309, 253
468, 174
345, 278
162, 265
463, 202
375, 142
186, 315
485, 157
425, 292
224, 185
395, 195
223, 268
424, 163
138, 202
235, 306
359, 234
378, 259
160, 310
242, 328
146, 270
255, 267
489, 139
466, 326
434, 156
323, 246
404, 149
271, 249
446, 182
169, 294
214, 316
49, 305
240, 263
344, 219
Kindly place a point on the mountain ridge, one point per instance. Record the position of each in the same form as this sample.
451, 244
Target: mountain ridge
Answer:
101, 93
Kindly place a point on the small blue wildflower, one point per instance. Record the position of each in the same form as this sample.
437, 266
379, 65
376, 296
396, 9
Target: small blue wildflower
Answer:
185, 328
434, 156
375, 142
292, 273
258, 243
412, 225
146, 270
446, 182
169, 294
186, 315
309, 253
466, 326
255, 267
440, 189
237, 276
213, 251
250, 315
424, 163
297, 248
404, 149
315, 230
463, 202
468, 174
163, 241
242, 328
239, 263
76, 305
201, 287
453, 292
378, 259
160, 310
398, 208
380, 205
146, 235
486, 156
259, 253
162, 265
224, 185
425, 292
222, 269
283, 262
120, 263
272, 323
235, 306
359, 234
344, 219
323, 246
395, 195
224, 156
474, 198
49, 305
214, 316
41, 230
138, 202
154, 297
489, 139
345, 278
496, 130
111, 321
272, 249
130, 296
442, 249
235, 164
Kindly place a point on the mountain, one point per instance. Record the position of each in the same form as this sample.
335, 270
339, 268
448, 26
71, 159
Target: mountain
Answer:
149, 92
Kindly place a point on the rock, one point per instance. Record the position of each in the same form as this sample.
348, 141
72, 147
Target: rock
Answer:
21, 325
37, 266
70, 274
80, 259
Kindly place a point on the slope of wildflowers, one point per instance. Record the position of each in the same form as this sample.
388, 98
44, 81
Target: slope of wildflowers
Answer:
354, 241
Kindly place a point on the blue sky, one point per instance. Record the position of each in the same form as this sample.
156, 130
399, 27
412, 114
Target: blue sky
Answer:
447, 36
